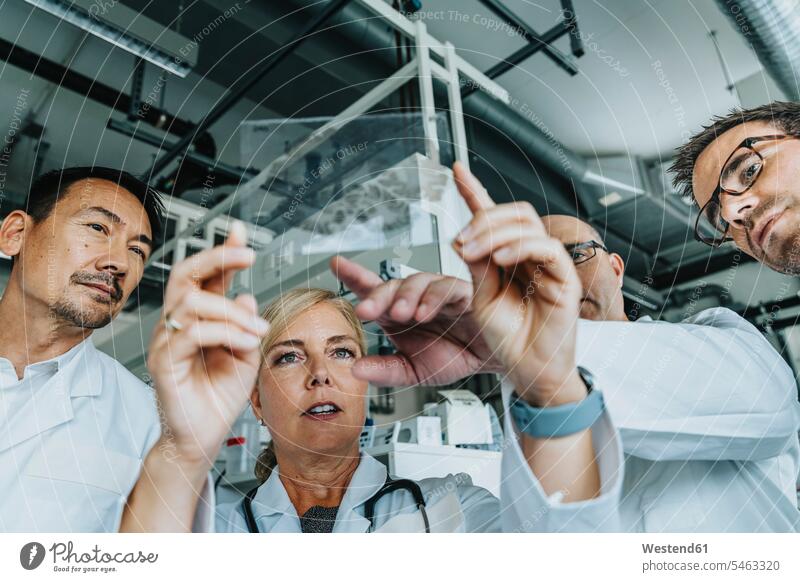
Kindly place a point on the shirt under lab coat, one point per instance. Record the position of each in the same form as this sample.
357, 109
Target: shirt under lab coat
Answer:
73, 434
708, 415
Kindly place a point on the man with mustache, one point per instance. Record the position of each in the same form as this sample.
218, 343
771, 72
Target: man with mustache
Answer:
74, 423
742, 171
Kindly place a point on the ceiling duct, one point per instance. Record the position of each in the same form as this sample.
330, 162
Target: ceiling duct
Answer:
532, 136
772, 28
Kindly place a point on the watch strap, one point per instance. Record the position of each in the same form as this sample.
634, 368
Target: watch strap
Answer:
558, 421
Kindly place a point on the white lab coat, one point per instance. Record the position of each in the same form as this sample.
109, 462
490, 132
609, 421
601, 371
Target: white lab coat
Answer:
72, 449
453, 503
708, 415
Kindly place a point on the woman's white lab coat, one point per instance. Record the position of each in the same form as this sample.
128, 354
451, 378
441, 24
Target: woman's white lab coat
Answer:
708, 416
453, 503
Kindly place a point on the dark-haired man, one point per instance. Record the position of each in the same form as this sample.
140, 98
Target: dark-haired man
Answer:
74, 423
742, 171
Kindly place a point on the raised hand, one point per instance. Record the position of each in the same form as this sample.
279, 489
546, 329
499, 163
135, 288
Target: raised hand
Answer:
428, 319
204, 354
526, 294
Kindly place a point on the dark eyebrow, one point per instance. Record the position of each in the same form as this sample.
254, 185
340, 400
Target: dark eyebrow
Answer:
143, 238
572, 246
105, 212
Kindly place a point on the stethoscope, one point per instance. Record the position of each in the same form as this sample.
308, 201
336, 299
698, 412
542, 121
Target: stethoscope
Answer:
369, 505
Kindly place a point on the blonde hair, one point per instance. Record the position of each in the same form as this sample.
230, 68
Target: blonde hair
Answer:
280, 314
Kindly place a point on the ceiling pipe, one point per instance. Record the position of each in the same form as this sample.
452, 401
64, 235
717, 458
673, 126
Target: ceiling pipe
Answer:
529, 133
240, 90
363, 28
772, 28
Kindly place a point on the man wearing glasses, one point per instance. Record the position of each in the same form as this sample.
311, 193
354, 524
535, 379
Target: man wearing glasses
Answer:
602, 279
699, 406
706, 408
742, 171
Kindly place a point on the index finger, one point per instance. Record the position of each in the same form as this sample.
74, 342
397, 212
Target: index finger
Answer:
237, 238
471, 189
194, 272
358, 279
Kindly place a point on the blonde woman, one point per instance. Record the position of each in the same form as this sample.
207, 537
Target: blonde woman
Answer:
303, 367
315, 410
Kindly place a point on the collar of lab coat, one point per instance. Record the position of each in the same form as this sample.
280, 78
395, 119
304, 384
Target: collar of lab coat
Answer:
81, 368
274, 512
78, 374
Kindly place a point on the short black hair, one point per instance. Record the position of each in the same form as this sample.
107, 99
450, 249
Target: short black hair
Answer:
784, 115
47, 188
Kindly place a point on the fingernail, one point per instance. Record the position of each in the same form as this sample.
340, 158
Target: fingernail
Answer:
261, 326
503, 253
368, 303
470, 248
401, 303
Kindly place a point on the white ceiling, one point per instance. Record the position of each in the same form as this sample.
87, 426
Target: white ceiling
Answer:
617, 108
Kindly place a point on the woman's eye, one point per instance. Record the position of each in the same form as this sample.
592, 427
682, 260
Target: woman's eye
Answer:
288, 358
344, 353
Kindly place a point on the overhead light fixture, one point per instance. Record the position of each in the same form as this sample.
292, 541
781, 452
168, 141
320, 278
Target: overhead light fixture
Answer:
126, 28
610, 199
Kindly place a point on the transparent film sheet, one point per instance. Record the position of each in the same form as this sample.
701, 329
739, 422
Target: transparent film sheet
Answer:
366, 187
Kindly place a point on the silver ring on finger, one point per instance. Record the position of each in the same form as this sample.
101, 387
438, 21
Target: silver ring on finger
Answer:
172, 324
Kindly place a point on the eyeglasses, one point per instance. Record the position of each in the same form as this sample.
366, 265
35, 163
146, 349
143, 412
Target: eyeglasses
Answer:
739, 172
583, 251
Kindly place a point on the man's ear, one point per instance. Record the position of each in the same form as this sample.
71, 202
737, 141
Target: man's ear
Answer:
617, 264
12, 232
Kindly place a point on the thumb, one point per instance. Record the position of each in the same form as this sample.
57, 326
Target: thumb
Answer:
485, 281
391, 370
